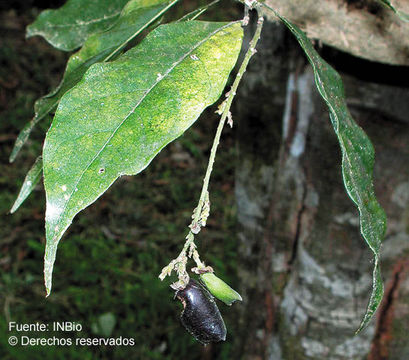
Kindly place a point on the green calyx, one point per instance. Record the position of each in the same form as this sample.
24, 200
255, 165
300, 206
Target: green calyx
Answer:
219, 289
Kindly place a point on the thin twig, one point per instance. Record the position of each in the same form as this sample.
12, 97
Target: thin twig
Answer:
189, 248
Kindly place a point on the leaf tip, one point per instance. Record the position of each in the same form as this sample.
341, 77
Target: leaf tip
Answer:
29, 31
47, 282
49, 258
16, 204
13, 154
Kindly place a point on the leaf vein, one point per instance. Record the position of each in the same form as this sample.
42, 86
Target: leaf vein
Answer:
132, 111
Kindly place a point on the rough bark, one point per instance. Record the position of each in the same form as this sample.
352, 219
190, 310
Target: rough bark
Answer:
305, 269
258, 111
364, 28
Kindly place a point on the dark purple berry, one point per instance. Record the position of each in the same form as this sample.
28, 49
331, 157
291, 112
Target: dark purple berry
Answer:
201, 316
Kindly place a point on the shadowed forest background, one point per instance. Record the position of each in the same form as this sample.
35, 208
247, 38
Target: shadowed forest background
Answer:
282, 230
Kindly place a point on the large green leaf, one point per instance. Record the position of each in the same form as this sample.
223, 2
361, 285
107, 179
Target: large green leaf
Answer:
124, 112
68, 27
32, 178
357, 161
402, 15
136, 16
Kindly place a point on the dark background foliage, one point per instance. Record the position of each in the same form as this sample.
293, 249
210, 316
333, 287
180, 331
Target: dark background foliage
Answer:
109, 260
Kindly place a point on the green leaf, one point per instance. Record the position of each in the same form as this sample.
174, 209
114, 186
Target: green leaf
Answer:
32, 178
67, 28
136, 16
357, 161
123, 113
402, 15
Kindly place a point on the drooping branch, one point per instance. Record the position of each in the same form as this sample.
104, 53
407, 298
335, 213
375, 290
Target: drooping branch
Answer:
363, 28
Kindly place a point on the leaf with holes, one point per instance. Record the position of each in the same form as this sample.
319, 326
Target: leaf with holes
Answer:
357, 162
135, 17
123, 113
68, 27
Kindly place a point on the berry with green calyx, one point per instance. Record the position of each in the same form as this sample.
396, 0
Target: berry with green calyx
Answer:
200, 315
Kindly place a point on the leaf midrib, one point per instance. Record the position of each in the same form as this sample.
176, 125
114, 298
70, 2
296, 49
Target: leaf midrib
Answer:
132, 111
160, 13
358, 201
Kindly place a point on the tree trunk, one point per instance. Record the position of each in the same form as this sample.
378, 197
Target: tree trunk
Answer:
304, 267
